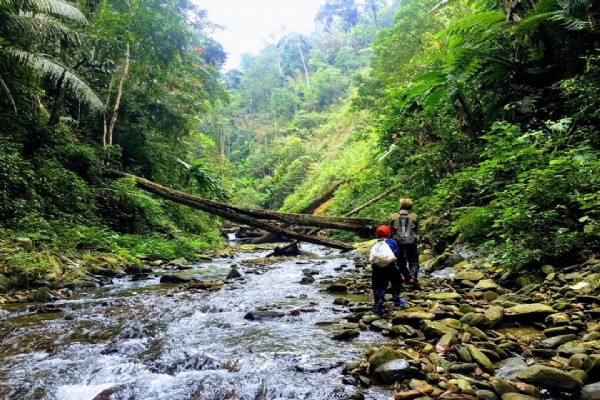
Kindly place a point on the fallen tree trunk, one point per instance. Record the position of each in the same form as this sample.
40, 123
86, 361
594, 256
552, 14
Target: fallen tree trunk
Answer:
327, 195
349, 224
251, 217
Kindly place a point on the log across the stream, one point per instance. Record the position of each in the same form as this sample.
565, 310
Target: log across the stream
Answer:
262, 219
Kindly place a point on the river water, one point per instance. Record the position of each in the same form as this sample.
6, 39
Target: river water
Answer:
135, 340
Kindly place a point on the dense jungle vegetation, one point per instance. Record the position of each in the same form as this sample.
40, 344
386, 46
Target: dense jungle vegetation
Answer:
487, 112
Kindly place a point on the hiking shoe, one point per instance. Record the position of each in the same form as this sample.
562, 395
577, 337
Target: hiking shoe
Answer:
412, 282
378, 310
400, 304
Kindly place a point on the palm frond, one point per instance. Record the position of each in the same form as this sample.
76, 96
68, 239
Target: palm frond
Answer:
54, 7
7, 94
37, 26
55, 71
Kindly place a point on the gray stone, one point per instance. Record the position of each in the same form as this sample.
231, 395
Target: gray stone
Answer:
395, 370
550, 377
411, 318
472, 276
517, 396
176, 278
525, 312
381, 325
590, 392
572, 347
554, 342
486, 395
485, 285
264, 314
476, 319
444, 296
346, 334
509, 368
480, 358
436, 329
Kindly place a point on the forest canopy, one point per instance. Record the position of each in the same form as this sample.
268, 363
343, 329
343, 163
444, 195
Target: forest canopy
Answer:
485, 112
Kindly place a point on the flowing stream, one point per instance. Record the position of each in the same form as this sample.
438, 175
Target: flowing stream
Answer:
135, 340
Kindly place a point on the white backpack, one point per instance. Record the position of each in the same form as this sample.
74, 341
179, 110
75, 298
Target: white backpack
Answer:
381, 255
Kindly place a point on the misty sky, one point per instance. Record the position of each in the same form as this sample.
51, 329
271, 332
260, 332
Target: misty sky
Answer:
248, 23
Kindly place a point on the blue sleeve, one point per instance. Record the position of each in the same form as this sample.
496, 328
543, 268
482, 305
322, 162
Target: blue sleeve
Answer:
393, 245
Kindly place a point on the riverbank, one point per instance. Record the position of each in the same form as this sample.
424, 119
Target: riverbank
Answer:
465, 336
468, 334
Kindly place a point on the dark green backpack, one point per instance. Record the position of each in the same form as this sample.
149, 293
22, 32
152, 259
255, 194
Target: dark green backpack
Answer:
405, 233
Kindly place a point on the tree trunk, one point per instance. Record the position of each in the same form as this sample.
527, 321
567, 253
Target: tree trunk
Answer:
327, 195
113, 118
255, 217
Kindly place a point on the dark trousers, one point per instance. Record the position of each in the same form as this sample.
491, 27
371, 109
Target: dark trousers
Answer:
380, 279
408, 254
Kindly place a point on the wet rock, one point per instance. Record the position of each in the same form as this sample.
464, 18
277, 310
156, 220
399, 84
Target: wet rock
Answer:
554, 342
337, 287
510, 368
528, 312
480, 358
591, 366
42, 295
483, 394
384, 355
119, 392
446, 341
462, 368
444, 296
550, 377
501, 386
395, 370
572, 347
233, 274
307, 280
346, 334
436, 329
590, 392
49, 309
517, 396
206, 285
260, 315
472, 276
176, 278
486, 284
381, 325
178, 262
476, 319
316, 366
558, 319
494, 314
411, 318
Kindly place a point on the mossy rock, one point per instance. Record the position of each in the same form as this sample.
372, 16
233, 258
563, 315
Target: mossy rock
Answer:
384, 355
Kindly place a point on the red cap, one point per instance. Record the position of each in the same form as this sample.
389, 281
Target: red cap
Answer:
383, 231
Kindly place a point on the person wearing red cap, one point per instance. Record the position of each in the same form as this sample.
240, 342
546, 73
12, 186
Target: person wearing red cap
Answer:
382, 276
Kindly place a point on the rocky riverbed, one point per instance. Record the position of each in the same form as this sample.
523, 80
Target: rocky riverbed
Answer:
468, 334
464, 336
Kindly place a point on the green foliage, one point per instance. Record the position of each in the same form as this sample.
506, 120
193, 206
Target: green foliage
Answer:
129, 210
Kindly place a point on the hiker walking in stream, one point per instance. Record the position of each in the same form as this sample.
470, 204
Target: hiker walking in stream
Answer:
405, 227
383, 257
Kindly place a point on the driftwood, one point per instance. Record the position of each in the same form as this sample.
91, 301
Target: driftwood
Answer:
256, 218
